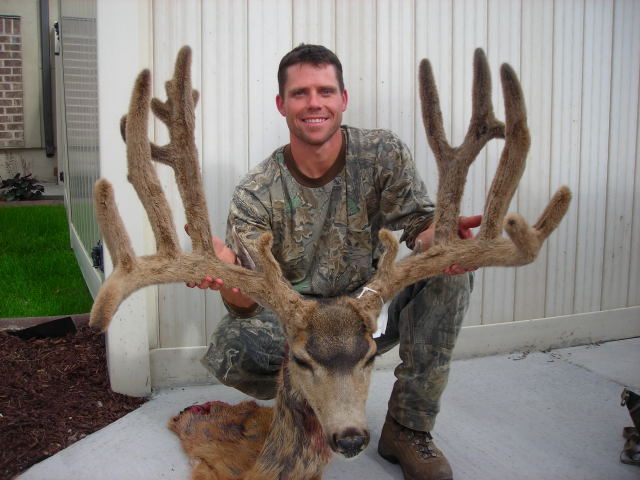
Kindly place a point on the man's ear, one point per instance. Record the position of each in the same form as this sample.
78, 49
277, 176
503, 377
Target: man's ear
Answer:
280, 105
345, 99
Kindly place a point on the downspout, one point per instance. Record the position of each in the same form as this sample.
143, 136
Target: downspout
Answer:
47, 97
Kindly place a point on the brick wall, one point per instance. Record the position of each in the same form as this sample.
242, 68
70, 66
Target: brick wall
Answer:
11, 91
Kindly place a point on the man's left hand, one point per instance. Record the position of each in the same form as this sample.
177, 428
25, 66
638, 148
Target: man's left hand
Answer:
465, 224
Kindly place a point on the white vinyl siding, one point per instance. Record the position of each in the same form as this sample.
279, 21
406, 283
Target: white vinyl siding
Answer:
579, 64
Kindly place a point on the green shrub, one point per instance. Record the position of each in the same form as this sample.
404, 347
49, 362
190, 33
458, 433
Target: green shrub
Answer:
21, 188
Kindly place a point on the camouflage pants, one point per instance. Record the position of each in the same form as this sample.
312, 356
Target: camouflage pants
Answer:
425, 319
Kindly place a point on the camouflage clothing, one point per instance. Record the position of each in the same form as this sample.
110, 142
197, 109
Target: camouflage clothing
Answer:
326, 240
425, 318
325, 237
246, 353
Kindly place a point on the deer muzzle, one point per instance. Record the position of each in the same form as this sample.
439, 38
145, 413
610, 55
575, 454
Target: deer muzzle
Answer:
350, 442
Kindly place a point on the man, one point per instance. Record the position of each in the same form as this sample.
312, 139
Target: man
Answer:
325, 196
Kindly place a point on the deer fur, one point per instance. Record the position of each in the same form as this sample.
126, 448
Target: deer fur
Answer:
320, 404
226, 426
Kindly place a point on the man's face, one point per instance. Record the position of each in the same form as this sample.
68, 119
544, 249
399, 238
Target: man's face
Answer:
312, 102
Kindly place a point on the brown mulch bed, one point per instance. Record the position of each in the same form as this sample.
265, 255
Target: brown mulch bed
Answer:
53, 392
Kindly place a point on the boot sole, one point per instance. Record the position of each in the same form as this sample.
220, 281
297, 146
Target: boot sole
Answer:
389, 457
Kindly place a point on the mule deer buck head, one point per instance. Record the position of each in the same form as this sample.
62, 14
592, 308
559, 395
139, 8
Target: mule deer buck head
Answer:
324, 381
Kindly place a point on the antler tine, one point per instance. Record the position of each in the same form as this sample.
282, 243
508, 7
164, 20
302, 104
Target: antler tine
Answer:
112, 227
483, 125
142, 175
512, 159
112, 293
431, 113
277, 293
160, 154
178, 113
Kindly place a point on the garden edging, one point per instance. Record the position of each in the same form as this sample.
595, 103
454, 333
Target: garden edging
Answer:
19, 323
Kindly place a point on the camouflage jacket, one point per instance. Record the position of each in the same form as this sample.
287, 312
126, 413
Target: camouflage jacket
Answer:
325, 237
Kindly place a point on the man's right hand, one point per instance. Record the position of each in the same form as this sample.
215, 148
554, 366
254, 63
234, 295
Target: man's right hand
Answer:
232, 296
225, 254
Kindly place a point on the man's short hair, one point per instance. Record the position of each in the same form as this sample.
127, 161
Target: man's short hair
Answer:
316, 55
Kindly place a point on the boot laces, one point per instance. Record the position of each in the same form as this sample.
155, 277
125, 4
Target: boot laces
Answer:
422, 443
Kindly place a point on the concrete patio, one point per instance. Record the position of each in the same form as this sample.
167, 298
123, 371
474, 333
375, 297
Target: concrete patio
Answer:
552, 415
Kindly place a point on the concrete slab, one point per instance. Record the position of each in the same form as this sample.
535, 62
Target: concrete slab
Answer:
617, 361
53, 190
534, 418
521, 416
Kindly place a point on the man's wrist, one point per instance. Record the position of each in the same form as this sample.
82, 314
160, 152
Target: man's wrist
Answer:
240, 311
237, 299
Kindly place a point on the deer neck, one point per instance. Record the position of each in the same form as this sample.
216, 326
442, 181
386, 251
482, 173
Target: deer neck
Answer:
295, 448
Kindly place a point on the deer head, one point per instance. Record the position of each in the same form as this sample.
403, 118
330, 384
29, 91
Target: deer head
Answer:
331, 349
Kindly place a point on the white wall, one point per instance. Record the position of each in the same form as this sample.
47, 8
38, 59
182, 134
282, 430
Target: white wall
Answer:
578, 61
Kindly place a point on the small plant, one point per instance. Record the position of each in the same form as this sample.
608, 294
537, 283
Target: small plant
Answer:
21, 188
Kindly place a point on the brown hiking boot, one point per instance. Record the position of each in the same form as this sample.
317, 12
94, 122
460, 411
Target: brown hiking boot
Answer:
415, 451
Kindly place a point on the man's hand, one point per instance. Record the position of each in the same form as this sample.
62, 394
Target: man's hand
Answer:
230, 295
465, 224
225, 254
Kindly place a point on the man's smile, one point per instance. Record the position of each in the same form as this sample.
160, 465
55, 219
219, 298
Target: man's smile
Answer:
315, 120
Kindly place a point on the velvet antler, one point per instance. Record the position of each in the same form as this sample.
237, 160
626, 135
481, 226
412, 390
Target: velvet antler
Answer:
489, 247
169, 264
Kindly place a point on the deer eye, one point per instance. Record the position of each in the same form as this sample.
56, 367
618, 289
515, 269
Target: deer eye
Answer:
302, 363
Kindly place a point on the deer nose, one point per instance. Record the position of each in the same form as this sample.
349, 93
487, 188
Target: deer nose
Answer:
351, 442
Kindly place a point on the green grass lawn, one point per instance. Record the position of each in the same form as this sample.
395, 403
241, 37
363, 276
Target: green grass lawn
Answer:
39, 275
